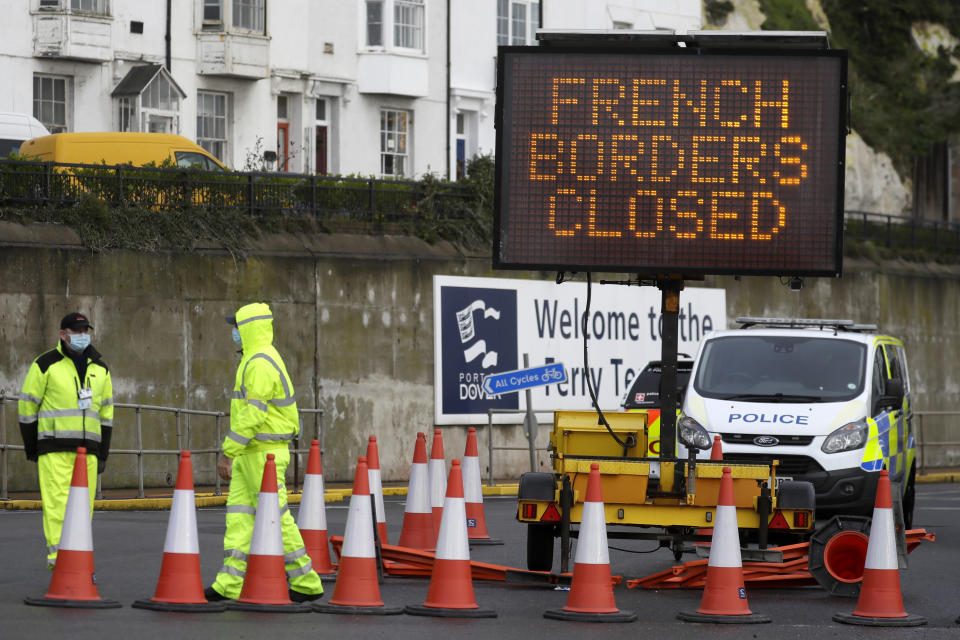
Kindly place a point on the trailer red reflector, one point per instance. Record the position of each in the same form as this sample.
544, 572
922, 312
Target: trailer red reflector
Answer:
551, 514
528, 511
801, 520
778, 521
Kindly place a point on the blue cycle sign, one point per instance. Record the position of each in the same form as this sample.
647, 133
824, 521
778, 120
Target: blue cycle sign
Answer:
510, 381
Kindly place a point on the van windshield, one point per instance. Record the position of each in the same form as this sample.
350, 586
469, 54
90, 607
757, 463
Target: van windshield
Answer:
781, 369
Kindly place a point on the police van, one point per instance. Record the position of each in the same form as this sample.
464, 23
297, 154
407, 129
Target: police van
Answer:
828, 399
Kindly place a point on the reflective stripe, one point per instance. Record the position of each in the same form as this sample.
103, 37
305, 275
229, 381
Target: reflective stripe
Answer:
106, 402
234, 553
262, 406
83, 435
236, 437
293, 555
240, 323
237, 395
301, 571
28, 419
286, 509
283, 378
241, 508
106, 423
283, 402
232, 571
53, 548
61, 413
26, 397
273, 436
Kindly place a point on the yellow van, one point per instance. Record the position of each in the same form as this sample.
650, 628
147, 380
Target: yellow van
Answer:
113, 148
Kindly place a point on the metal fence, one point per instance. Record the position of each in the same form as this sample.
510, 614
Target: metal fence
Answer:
900, 232
184, 433
329, 198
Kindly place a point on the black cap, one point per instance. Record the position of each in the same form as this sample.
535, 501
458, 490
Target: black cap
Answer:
231, 320
75, 321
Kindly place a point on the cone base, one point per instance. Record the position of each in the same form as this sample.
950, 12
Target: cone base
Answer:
619, 616
352, 610
749, 618
293, 607
869, 621
73, 604
437, 612
181, 607
473, 541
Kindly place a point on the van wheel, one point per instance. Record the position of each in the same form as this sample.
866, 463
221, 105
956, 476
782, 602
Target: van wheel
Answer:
540, 547
910, 499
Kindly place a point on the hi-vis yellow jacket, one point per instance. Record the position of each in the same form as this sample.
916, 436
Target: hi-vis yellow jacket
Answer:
50, 415
263, 412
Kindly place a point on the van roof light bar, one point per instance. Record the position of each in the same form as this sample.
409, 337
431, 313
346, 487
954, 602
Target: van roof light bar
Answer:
746, 322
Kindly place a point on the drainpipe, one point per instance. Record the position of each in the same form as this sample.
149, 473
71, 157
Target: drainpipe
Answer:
166, 36
448, 90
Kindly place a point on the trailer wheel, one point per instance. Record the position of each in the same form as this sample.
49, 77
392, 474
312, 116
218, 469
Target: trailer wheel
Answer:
540, 547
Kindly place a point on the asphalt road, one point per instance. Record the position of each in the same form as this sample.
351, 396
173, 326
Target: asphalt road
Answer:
129, 546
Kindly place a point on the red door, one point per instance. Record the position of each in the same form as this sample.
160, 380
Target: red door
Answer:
321, 149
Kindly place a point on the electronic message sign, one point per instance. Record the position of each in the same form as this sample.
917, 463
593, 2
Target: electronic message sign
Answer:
687, 161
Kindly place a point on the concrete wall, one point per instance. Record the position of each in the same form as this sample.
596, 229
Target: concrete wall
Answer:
354, 321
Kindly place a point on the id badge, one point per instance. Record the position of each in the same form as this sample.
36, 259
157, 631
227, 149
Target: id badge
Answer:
85, 399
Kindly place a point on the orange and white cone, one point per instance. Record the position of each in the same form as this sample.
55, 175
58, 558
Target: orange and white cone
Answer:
265, 582
473, 493
716, 451
312, 517
357, 590
376, 488
591, 591
437, 467
880, 603
180, 586
418, 531
724, 595
451, 584
74, 582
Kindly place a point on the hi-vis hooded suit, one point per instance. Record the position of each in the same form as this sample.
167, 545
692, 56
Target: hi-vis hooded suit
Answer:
263, 419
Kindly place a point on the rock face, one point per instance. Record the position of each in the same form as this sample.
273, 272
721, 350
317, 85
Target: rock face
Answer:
871, 182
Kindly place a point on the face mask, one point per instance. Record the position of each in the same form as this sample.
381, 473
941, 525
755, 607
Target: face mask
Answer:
79, 341
236, 336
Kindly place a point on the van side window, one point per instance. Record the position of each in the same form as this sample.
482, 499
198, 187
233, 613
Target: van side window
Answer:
192, 159
904, 371
879, 377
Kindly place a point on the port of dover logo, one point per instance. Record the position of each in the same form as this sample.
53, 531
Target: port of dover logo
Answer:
479, 337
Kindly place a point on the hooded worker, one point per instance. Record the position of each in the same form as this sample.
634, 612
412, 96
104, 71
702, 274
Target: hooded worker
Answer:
263, 419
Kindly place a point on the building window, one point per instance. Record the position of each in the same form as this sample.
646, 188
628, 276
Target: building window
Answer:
212, 11
212, 123
249, 15
408, 24
517, 22
396, 24
127, 117
393, 142
93, 6
51, 101
374, 23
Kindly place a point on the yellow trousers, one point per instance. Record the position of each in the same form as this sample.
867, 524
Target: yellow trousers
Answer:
56, 473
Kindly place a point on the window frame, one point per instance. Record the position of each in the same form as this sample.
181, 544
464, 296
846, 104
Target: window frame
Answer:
52, 124
508, 31
217, 146
257, 13
401, 137
395, 25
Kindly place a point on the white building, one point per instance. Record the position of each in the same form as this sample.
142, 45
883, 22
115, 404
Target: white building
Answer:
370, 87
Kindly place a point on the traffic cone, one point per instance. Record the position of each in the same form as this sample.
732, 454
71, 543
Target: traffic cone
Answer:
591, 591
716, 451
451, 586
357, 590
724, 596
180, 587
312, 517
880, 603
418, 531
74, 583
376, 488
265, 582
473, 493
438, 480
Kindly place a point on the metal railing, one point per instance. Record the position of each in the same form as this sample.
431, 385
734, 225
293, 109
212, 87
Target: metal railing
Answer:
183, 436
491, 448
903, 232
922, 425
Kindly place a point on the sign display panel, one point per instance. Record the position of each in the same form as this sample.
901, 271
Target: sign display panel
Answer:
687, 162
